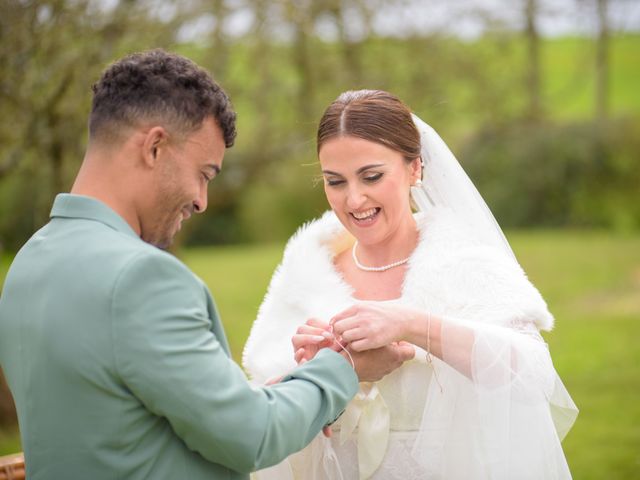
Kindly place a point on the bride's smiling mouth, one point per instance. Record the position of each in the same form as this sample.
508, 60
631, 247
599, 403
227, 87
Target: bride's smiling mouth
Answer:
365, 216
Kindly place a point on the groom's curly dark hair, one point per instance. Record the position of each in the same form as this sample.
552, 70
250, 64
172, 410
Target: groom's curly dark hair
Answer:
157, 86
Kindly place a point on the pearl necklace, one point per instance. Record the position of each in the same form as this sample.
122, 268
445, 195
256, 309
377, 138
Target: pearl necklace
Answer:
383, 268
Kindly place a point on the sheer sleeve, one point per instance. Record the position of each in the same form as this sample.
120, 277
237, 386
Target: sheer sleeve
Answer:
501, 410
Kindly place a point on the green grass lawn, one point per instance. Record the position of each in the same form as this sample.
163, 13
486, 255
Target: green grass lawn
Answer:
591, 281
568, 79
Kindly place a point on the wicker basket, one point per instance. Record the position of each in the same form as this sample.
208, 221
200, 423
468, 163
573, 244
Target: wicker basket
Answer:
12, 467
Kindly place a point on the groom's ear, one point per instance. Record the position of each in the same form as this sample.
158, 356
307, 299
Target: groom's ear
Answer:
154, 145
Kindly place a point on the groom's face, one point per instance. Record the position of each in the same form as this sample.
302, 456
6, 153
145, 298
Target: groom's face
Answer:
183, 175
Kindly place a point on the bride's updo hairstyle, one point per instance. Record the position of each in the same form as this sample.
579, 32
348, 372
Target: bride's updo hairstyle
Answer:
373, 115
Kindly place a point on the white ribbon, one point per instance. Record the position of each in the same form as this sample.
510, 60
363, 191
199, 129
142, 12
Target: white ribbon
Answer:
370, 414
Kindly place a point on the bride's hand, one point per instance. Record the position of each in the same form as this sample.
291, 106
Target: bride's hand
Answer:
366, 326
310, 338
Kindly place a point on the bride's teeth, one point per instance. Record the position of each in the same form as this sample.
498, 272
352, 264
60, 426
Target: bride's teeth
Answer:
363, 215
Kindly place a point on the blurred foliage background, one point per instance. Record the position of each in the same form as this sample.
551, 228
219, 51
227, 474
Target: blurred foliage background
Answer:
547, 126
539, 99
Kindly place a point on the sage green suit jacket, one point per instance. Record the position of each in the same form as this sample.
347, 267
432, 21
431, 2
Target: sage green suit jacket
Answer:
120, 368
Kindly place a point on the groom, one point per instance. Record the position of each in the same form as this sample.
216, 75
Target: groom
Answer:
112, 348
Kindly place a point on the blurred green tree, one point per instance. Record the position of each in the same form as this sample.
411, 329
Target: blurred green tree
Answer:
282, 62
50, 54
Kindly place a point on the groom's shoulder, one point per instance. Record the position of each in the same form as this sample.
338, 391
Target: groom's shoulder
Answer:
115, 254
137, 254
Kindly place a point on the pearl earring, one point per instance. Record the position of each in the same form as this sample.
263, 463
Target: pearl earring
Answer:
418, 183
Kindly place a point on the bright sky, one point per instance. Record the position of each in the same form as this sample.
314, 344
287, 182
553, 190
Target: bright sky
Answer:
463, 18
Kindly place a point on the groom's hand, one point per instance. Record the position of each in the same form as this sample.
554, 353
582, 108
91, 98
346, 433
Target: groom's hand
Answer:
372, 365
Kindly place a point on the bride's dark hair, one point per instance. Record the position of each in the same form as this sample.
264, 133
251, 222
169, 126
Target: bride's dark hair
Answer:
373, 115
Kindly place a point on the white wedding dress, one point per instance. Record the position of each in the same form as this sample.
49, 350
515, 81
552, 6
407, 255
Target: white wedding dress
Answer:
503, 420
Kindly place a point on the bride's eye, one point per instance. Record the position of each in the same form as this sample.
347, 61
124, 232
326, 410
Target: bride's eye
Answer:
373, 177
334, 182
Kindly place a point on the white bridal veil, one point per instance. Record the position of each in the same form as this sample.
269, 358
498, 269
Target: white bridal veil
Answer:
502, 410
447, 185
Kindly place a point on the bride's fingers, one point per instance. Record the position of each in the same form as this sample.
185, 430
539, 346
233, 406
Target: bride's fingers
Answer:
344, 325
314, 331
360, 345
314, 322
309, 330
301, 340
353, 335
305, 354
304, 346
349, 312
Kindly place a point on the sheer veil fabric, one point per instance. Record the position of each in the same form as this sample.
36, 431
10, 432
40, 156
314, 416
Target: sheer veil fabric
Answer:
510, 392
500, 411
447, 185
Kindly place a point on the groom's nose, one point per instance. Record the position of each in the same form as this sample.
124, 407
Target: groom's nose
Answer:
200, 203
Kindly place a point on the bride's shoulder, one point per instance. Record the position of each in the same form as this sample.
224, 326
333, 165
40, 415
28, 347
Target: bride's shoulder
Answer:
449, 239
440, 228
314, 239
317, 231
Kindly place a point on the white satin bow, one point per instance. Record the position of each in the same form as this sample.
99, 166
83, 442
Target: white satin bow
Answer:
370, 414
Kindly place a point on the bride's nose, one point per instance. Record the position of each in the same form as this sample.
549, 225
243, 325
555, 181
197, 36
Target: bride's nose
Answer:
355, 197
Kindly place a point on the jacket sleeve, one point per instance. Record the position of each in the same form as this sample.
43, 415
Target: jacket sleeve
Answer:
167, 355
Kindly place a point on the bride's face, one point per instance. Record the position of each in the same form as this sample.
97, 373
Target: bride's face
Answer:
367, 186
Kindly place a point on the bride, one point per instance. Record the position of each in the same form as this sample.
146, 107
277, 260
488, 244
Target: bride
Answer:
481, 398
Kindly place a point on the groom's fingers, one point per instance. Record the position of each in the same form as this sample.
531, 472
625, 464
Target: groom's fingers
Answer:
406, 351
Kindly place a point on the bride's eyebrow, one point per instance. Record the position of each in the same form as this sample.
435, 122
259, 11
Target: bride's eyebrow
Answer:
329, 172
367, 167
359, 171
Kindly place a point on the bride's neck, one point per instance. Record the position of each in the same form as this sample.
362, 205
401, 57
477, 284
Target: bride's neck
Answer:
398, 245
